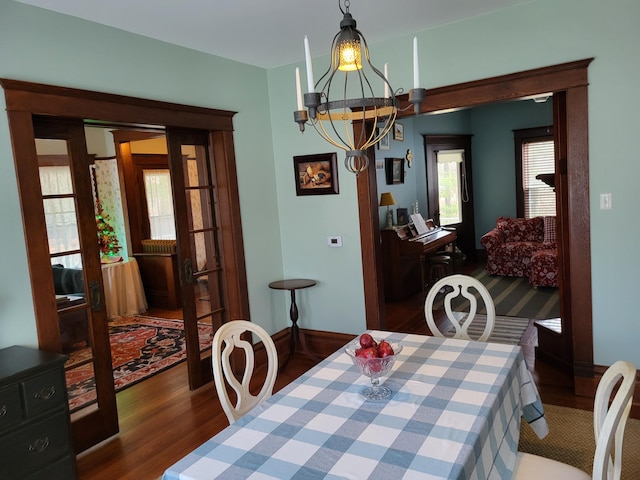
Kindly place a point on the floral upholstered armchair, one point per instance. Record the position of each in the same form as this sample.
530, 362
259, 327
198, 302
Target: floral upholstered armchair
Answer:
523, 247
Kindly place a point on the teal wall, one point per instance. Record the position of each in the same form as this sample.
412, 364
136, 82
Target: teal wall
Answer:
285, 234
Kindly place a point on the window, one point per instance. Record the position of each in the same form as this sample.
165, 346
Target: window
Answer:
450, 186
157, 187
535, 169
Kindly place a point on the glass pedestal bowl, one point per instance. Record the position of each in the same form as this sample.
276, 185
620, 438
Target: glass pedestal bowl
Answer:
374, 368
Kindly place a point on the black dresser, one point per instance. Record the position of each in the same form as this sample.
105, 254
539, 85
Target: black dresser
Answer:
35, 433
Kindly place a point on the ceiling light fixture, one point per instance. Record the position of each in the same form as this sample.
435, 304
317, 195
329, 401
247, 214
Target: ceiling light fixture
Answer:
332, 118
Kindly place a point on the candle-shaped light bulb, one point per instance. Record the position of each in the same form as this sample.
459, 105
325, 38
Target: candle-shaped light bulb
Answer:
298, 90
307, 55
416, 68
386, 84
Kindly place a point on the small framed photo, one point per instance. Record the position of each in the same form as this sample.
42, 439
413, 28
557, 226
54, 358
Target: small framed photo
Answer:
394, 170
398, 132
385, 142
402, 216
316, 174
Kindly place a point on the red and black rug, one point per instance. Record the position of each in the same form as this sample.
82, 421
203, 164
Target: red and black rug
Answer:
140, 347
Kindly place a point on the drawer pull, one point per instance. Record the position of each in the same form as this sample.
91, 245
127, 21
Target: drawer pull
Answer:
3, 411
40, 445
45, 393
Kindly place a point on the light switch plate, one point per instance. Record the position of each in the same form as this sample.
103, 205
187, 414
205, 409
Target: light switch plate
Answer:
605, 201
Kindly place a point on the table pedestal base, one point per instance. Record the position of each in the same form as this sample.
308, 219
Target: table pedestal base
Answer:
296, 337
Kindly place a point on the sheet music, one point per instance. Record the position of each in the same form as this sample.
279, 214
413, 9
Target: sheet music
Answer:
419, 223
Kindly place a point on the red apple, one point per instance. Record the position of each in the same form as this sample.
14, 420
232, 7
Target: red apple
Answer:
366, 340
370, 352
385, 349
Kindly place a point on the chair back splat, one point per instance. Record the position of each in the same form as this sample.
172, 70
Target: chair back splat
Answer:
608, 425
455, 286
609, 421
229, 337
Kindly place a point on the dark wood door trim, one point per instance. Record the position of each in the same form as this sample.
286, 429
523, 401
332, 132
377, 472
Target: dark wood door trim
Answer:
570, 80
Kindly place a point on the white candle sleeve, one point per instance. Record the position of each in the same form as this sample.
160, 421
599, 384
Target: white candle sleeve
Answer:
416, 68
307, 55
298, 90
386, 84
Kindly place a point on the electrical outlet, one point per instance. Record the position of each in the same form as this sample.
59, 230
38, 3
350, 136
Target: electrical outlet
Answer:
605, 201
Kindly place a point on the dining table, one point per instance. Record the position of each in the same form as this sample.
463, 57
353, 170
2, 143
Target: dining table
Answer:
455, 412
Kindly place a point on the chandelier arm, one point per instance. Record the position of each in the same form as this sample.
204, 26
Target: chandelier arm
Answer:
319, 127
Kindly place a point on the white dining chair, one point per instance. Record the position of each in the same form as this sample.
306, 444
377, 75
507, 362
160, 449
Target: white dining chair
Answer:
460, 285
608, 425
225, 341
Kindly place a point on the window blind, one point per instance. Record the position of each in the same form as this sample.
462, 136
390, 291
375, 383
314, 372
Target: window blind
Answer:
539, 198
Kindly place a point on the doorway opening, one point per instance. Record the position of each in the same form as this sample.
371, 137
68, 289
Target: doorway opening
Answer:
569, 84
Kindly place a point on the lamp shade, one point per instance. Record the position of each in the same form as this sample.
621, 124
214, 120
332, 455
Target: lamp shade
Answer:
387, 199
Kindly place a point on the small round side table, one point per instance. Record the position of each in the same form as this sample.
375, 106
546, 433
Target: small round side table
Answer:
292, 285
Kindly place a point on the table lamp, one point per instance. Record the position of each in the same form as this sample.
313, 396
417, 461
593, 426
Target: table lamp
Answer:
386, 200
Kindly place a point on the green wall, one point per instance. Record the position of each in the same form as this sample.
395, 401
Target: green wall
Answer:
285, 234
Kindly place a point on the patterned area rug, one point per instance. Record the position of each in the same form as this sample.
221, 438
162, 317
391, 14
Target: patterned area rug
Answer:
140, 347
514, 297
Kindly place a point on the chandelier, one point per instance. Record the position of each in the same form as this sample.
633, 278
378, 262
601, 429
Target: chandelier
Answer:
347, 77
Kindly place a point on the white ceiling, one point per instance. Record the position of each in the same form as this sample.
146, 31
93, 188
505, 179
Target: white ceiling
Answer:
268, 33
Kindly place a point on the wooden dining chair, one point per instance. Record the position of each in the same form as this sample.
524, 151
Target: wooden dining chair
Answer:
455, 286
608, 425
225, 341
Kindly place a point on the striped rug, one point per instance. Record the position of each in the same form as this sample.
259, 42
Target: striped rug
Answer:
507, 330
514, 297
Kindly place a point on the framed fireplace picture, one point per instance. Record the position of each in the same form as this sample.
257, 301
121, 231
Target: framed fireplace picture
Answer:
316, 174
394, 170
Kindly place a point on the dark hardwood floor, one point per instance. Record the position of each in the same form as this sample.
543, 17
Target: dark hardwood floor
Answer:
161, 420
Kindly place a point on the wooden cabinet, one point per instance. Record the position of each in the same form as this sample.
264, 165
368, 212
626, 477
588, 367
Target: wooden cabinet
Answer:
159, 273
35, 433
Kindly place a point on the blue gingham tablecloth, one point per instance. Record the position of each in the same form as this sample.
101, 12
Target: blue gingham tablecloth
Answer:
454, 413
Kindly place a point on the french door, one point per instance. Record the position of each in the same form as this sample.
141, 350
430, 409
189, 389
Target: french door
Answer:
199, 246
206, 136
59, 219
450, 188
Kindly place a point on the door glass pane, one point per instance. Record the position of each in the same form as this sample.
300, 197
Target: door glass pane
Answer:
200, 212
203, 241
157, 187
62, 225
449, 186
63, 236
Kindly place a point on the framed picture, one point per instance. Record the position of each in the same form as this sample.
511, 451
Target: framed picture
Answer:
394, 170
402, 216
398, 132
384, 143
316, 174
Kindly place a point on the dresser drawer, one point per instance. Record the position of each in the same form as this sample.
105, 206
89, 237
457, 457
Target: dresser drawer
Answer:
10, 408
43, 392
63, 469
35, 446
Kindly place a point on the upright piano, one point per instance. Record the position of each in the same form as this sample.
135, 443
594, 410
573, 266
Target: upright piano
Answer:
403, 261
